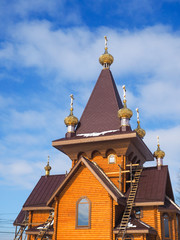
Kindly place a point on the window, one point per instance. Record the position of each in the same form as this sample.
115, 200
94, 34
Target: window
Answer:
128, 237
83, 210
166, 227
138, 212
178, 226
112, 158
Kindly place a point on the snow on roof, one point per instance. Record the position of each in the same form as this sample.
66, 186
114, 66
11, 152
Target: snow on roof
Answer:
95, 134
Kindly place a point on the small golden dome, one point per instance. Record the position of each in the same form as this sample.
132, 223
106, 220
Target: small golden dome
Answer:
47, 168
159, 153
125, 112
106, 59
71, 120
141, 132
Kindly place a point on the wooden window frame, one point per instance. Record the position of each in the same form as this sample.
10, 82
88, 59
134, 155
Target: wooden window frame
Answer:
140, 215
169, 225
178, 225
89, 219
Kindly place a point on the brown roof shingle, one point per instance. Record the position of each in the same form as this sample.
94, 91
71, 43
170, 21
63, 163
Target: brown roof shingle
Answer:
153, 185
43, 190
100, 113
136, 225
20, 218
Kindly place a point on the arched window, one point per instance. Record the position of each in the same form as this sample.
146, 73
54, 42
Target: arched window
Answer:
128, 237
111, 155
83, 212
166, 227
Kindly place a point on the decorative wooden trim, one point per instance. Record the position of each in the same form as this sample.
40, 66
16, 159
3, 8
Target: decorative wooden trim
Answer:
33, 232
93, 139
139, 204
37, 208
138, 231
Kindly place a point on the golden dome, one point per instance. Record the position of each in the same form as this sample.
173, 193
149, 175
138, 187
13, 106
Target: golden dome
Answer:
141, 132
106, 59
125, 112
47, 168
71, 120
159, 153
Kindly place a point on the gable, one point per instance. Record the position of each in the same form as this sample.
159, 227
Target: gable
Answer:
98, 174
83, 183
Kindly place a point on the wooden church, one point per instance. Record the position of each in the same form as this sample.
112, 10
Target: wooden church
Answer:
107, 194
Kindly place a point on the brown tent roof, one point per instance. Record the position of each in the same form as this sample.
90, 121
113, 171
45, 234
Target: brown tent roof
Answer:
100, 113
43, 190
99, 174
153, 185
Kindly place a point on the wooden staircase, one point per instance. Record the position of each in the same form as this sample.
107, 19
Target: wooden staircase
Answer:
130, 202
46, 226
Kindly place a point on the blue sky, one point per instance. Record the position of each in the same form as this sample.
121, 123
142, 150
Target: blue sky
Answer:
50, 49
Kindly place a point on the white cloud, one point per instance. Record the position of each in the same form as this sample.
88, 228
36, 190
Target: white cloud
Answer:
19, 10
150, 56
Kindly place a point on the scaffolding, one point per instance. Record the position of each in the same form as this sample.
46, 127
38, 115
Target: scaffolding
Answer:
19, 233
46, 226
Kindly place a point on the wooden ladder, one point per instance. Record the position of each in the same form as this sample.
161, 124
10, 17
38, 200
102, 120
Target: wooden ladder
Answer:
130, 202
46, 226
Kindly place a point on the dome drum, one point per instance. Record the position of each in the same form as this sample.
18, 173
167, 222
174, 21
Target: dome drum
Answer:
125, 122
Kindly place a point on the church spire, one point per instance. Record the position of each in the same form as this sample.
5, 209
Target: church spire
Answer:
141, 132
100, 113
124, 113
106, 59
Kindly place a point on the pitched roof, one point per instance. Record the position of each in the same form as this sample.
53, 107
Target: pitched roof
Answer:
37, 229
100, 113
137, 226
43, 190
153, 186
20, 218
169, 206
99, 174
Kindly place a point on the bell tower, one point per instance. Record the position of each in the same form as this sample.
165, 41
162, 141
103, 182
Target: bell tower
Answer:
103, 134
